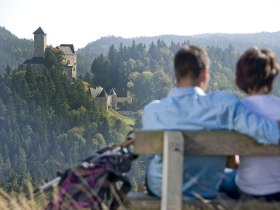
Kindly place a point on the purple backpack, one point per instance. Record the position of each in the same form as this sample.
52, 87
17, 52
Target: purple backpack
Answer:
98, 183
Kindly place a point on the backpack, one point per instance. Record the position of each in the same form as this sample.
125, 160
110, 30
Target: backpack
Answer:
98, 183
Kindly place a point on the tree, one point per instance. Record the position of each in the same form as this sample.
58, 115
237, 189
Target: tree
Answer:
101, 69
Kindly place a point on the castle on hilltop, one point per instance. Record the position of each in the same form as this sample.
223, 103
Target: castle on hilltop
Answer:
40, 46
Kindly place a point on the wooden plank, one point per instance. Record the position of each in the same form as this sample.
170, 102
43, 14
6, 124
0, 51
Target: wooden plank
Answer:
173, 157
148, 142
205, 143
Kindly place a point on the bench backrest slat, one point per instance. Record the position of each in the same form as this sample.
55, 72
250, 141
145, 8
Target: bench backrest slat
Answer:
205, 143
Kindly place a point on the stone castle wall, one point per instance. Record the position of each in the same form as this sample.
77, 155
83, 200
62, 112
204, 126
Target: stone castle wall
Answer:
70, 60
40, 43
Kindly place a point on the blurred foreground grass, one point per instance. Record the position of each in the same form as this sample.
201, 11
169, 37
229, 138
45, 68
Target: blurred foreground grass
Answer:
19, 201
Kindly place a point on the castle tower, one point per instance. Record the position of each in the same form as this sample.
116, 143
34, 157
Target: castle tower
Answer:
40, 43
103, 100
114, 99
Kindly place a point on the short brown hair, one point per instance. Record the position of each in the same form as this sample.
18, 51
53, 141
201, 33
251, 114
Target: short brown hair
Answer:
256, 69
190, 60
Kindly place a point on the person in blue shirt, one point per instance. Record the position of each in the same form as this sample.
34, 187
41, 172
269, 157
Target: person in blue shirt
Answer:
188, 107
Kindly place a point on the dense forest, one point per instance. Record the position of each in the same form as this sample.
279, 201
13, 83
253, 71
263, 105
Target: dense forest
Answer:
240, 42
48, 122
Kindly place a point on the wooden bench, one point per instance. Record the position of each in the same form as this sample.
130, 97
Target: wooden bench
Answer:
173, 145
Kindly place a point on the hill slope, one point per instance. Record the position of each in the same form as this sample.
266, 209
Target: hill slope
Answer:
13, 51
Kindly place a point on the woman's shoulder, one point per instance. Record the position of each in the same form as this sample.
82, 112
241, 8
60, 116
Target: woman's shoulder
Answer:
269, 99
266, 105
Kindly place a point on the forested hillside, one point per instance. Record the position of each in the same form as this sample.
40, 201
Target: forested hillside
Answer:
240, 42
48, 123
13, 51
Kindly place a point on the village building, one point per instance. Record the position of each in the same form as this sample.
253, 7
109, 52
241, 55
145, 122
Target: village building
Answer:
40, 46
111, 100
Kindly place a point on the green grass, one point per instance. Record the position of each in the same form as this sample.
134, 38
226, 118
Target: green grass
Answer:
127, 120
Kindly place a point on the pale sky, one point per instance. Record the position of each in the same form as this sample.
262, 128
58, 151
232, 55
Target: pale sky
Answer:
79, 22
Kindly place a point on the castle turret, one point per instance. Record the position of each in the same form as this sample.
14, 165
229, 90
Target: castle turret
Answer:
114, 99
103, 100
40, 43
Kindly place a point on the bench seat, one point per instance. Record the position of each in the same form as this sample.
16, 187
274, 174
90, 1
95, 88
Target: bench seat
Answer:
173, 145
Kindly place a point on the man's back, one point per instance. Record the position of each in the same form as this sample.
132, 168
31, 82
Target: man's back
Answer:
188, 108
